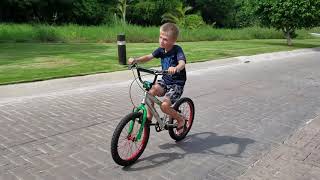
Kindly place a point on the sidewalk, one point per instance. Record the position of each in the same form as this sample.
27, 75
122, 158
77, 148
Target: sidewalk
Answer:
297, 159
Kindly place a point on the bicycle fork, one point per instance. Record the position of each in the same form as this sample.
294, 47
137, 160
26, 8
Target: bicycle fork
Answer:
147, 100
143, 108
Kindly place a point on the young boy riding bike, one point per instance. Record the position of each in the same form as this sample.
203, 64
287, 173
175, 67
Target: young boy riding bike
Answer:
172, 59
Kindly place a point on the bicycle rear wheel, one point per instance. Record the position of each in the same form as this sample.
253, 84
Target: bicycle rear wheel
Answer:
185, 107
125, 148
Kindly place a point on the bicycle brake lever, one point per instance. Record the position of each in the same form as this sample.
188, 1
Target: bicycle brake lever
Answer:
131, 66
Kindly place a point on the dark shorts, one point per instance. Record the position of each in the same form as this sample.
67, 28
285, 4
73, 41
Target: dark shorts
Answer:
173, 92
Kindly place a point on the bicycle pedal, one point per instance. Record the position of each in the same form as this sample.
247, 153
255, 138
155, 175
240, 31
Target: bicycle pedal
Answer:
157, 127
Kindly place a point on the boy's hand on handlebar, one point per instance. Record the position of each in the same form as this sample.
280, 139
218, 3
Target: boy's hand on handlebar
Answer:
132, 60
172, 70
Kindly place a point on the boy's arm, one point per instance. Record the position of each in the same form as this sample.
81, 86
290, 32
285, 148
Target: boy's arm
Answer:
181, 65
141, 59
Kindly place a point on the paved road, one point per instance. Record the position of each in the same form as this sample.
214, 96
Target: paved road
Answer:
61, 129
298, 158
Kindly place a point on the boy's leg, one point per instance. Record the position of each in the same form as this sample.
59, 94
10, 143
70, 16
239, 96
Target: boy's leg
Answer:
166, 108
173, 94
156, 90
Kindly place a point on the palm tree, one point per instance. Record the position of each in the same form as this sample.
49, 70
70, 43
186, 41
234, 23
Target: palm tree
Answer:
177, 16
122, 7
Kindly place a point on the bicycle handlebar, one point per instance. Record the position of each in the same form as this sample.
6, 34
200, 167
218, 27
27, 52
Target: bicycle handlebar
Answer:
150, 71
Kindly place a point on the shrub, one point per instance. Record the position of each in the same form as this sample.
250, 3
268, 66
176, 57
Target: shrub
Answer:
193, 21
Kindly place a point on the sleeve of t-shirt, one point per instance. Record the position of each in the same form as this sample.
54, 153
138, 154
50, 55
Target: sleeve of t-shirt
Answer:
157, 53
180, 55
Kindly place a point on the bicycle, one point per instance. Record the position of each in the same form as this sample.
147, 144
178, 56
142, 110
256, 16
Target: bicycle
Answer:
134, 129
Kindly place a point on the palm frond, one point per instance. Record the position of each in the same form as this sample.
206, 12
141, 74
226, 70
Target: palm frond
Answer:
169, 17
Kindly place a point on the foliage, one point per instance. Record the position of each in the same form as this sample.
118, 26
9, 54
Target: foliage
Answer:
87, 12
193, 21
122, 9
220, 13
289, 15
177, 16
214, 11
149, 12
107, 33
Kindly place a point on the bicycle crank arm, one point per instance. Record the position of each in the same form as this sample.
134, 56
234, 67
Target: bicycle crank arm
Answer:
152, 124
171, 125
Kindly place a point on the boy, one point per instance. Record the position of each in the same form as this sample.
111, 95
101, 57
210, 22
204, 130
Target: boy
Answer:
172, 59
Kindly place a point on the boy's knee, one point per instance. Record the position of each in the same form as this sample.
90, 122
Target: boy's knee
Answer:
165, 106
160, 91
156, 90
153, 92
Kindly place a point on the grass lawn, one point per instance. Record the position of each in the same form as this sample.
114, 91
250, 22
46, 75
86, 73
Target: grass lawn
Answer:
23, 62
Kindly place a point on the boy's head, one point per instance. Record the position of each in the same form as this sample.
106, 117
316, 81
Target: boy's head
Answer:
169, 33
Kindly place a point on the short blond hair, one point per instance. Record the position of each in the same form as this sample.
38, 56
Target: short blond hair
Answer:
170, 29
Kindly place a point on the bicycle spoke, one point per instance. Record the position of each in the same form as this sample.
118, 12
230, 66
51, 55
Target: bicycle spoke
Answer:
128, 145
185, 112
129, 150
122, 150
125, 132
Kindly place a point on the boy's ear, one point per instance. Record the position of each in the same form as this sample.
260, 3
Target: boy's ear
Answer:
174, 39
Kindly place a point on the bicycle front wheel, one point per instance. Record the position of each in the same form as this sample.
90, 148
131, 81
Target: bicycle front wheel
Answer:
125, 147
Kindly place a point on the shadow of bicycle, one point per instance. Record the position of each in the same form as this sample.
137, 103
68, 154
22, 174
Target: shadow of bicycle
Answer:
203, 143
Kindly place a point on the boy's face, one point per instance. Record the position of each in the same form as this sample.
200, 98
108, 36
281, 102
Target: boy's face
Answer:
166, 41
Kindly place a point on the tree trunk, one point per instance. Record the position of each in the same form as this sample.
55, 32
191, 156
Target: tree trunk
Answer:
289, 39
287, 33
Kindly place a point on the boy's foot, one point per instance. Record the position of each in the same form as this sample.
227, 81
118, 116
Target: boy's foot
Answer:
180, 127
148, 121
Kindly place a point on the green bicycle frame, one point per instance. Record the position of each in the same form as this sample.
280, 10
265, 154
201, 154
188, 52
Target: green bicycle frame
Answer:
142, 107
144, 118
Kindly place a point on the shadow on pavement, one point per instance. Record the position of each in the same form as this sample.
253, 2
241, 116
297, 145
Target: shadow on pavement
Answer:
202, 143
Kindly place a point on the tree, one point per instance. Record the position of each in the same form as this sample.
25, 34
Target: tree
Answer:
218, 12
178, 16
289, 15
122, 8
148, 12
48, 11
241, 14
86, 12
89, 12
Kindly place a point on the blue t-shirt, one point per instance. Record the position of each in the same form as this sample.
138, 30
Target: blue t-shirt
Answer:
170, 59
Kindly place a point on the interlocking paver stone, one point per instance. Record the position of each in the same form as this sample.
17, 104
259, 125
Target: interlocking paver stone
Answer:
245, 114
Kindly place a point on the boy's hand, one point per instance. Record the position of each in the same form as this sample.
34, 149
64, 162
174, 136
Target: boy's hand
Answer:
172, 70
132, 60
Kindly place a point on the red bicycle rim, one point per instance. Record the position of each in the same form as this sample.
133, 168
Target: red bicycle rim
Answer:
129, 148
